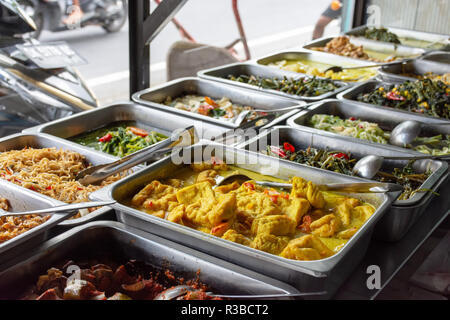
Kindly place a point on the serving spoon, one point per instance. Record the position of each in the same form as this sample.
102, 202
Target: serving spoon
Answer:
355, 187
368, 166
340, 69
62, 208
181, 290
241, 117
407, 131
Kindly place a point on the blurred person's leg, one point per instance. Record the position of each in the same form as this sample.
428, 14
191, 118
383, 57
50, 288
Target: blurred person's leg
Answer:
332, 12
75, 13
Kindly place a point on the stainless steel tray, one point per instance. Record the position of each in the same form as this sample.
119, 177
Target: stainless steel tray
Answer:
403, 213
397, 222
326, 274
154, 97
393, 73
116, 242
236, 69
148, 118
376, 46
22, 199
315, 56
20, 141
442, 41
370, 85
387, 120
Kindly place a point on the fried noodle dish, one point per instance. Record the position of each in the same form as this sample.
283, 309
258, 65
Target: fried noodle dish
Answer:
50, 172
11, 227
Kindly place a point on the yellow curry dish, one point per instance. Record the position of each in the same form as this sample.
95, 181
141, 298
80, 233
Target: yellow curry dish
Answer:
315, 68
302, 223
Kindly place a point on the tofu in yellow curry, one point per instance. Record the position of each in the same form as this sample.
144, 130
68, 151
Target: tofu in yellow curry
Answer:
302, 224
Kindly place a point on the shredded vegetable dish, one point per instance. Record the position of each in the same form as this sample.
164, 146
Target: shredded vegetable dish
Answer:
11, 226
223, 108
50, 172
343, 162
307, 87
355, 128
427, 97
119, 138
303, 223
133, 280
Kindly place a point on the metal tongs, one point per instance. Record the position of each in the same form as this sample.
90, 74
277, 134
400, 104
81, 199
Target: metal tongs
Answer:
74, 207
179, 291
96, 174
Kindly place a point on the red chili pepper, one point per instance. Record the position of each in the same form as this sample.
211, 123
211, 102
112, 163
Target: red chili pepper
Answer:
249, 185
393, 96
340, 155
32, 188
289, 147
274, 199
278, 151
49, 188
352, 119
106, 138
285, 196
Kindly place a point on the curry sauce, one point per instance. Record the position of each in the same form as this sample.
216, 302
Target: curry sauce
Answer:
301, 223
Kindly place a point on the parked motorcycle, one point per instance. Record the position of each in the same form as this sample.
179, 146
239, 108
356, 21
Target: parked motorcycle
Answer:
30, 95
111, 15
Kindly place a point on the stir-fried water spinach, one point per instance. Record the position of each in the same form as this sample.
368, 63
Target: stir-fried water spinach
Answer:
343, 162
308, 87
425, 96
381, 34
119, 139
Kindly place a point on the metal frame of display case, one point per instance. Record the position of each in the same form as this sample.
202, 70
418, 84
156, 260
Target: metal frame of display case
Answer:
389, 257
143, 28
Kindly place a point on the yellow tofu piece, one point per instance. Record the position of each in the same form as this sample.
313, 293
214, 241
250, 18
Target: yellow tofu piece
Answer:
234, 236
269, 243
154, 190
306, 189
208, 176
278, 225
256, 204
197, 192
307, 247
297, 208
326, 226
224, 210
